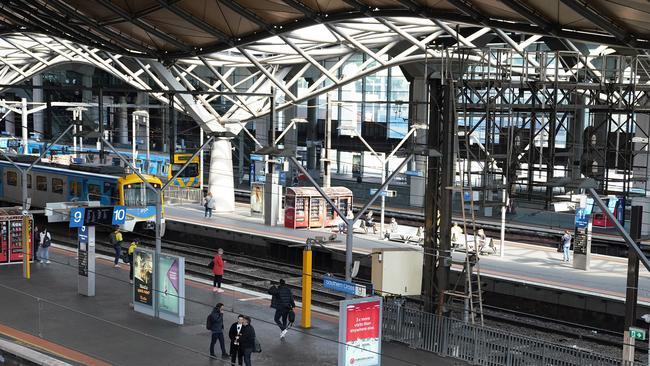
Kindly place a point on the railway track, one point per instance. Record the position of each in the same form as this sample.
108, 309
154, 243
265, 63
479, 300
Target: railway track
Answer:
241, 270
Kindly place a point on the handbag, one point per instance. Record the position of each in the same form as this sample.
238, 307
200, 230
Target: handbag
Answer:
258, 346
211, 264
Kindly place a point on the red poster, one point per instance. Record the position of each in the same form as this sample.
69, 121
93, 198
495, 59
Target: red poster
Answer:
363, 321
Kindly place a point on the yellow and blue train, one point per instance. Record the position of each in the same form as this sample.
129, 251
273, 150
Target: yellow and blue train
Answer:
158, 164
54, 183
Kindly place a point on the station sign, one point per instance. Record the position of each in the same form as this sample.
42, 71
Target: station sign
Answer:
414, 173
582, 218
385, 193
346, 287
107, 215
637, 333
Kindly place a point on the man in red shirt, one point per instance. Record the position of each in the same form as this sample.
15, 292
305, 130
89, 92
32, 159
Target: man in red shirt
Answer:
217, 270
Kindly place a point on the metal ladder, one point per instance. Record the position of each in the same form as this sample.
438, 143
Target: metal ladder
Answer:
471, 296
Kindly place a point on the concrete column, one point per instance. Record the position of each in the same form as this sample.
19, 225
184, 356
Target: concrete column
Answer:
123, 123
37, 96
418, 114
10, 126
221, 182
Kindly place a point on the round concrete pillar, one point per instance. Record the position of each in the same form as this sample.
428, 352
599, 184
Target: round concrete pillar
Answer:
220, 182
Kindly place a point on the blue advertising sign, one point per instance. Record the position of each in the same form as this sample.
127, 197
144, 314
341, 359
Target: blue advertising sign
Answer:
77, 217
119, 215
345, 287
82, 234
582, 218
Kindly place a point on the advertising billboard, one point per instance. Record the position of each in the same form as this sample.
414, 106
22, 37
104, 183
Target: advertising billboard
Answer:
360, 332
143, 277
168, 283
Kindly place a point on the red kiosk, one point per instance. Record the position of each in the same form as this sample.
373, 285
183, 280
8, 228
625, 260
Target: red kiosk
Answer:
11, 235
306, 208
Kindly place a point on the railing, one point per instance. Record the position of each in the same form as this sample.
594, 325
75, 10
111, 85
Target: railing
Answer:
180, 195
481, 345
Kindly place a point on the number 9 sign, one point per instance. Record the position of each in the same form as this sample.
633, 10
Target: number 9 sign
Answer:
77, 217
119, 215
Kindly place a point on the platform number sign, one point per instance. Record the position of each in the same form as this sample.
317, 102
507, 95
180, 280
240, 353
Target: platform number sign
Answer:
637, 333
119, 215
77, 217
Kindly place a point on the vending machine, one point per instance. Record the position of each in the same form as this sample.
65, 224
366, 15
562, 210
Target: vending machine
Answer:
11, 237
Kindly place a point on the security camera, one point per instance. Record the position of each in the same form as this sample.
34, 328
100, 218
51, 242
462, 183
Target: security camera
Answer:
646, 318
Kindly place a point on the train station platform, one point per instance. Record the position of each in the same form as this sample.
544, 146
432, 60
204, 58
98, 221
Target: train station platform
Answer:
536, 272
46, 313
242, 221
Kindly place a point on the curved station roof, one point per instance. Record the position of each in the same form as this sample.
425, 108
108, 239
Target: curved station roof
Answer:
182, 28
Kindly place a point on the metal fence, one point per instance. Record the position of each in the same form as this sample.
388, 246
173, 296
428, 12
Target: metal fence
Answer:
179, 195
481, 345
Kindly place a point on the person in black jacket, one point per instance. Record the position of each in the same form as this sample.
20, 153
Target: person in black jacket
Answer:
215, 324
282, 301
234, 333
246, 341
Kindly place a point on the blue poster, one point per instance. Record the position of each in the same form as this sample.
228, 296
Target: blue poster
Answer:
582, 218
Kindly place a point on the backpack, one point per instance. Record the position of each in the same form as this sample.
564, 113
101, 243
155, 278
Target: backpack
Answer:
208, 322
46, 240
113, 239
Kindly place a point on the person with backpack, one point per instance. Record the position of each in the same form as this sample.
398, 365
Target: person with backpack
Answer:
234, 333
116, 242
129, 257
46, 241
247, 341
214, 323
217, 271
283, 303
209, 204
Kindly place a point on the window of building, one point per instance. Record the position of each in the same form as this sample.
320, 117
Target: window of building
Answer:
12, 178
29, 181
41, 183
57, 185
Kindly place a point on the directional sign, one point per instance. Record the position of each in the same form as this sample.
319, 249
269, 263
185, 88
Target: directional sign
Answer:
119, 215
77, 217
82, 235
385, 193
414, 173
346, 287
637, 333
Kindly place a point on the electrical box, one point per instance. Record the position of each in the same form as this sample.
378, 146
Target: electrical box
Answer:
397, 271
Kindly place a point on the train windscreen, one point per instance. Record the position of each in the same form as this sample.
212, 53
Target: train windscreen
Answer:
192, 170
137, 194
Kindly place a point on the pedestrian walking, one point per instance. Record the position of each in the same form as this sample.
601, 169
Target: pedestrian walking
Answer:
215, 324
247, 341
46, 241
217, 271
566, 244
234, 333
129, 257
116, 241
208, 203
282, 301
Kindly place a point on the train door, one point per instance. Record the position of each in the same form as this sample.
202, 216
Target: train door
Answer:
110, 194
